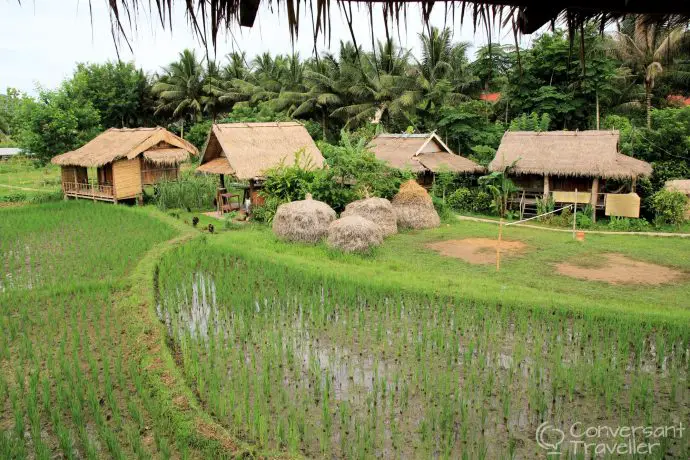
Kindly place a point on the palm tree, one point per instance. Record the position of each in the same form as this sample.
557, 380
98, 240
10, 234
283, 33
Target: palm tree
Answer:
180, 90
646, 49
324, 92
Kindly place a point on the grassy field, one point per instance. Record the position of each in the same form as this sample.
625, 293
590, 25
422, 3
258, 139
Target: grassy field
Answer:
125, 333
84, 372
528, 280
19, 176
407, 354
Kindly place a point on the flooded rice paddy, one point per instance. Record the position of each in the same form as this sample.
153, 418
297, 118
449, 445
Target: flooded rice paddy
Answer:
328, 369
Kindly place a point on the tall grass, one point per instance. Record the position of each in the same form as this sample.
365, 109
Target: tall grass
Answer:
191, 192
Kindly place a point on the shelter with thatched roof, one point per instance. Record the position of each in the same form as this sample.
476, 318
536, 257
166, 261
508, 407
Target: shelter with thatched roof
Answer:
424, 154
245, 151
125, 160
556, 164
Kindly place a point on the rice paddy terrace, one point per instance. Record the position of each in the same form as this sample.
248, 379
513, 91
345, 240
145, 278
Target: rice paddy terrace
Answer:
236, 343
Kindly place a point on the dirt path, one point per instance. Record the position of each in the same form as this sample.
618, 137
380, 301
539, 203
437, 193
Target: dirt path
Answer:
26, 189
563, 230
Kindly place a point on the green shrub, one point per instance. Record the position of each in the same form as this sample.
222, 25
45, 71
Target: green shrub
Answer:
669, 207
46, 197
625, 224
545, 205
265, 212
460, 199
443, 209
191, 192
16, 197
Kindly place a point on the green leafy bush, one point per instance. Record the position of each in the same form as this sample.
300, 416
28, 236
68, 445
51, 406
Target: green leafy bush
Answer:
46, 197
265, 212
16, 197
443, 209
545, 205
669, 207
625, 224
460, 199
191, 192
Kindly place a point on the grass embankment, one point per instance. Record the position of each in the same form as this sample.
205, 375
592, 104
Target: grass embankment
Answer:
84, 369
528, 280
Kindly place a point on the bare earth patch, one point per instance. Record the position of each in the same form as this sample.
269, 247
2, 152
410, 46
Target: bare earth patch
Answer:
619, 269
477, 250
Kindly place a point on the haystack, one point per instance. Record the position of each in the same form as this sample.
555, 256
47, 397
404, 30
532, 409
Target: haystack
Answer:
378, 210
354, 234
414, 208
305, 221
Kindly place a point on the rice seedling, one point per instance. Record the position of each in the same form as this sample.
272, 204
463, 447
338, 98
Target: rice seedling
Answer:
349, 370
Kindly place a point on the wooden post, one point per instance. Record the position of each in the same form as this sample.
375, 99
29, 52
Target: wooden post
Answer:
633, 186
546, 187
498, 245
595, 198
575, 214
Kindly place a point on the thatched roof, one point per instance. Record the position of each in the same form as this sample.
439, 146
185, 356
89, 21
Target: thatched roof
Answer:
567, 153
157, 144
678, 185
419, 153
209, 19
247, 150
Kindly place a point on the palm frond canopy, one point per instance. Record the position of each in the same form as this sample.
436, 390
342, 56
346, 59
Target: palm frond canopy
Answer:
208, 19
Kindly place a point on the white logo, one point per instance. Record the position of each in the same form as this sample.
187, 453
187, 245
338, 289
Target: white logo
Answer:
549, 438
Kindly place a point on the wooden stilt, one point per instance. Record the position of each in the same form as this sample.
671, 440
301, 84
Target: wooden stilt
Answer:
575, 214
498, 245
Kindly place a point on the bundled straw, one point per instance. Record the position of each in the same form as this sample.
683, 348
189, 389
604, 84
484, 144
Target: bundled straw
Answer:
354, 234
305, 221
378, 210
414, 208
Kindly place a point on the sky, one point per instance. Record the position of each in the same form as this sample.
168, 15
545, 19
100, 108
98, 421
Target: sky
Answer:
41, 41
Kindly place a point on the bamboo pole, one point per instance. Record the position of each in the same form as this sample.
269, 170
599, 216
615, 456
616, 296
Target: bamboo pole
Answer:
575, 214
498, 245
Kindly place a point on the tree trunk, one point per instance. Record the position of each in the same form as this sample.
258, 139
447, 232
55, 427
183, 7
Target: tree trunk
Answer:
182, 129
597, 96
648, 94
323, 123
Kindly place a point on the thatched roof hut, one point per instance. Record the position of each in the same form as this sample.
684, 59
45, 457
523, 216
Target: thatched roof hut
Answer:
247, 150
126, 160
678, 185
304, 221
157, 145
567, 166
414, 208
420, 153
567, 153
378, 210
354, 234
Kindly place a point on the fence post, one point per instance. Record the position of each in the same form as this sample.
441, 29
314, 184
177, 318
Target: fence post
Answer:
575, 214
498, 244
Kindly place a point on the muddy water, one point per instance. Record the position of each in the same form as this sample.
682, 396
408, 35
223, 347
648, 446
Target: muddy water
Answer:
475, 391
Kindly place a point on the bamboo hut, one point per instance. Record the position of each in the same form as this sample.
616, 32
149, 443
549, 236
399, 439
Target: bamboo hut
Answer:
244, 151
423, 154
125, 161
556, 164
682, 186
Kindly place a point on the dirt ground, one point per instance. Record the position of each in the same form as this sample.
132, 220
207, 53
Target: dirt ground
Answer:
619, 269
477, 250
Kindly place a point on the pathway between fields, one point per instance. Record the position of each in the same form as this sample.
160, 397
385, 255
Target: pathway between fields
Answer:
598, 232
26, 189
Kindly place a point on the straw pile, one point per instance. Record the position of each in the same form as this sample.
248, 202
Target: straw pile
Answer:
354, 234
304, 221
414, 208
378, 210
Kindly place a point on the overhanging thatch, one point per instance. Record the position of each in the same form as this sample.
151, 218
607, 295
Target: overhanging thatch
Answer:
567, 153
247, 150
678, 185
158, 145
419, 153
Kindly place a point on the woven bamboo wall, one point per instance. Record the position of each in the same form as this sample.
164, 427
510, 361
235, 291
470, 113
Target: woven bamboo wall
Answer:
127, 178
69, 174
